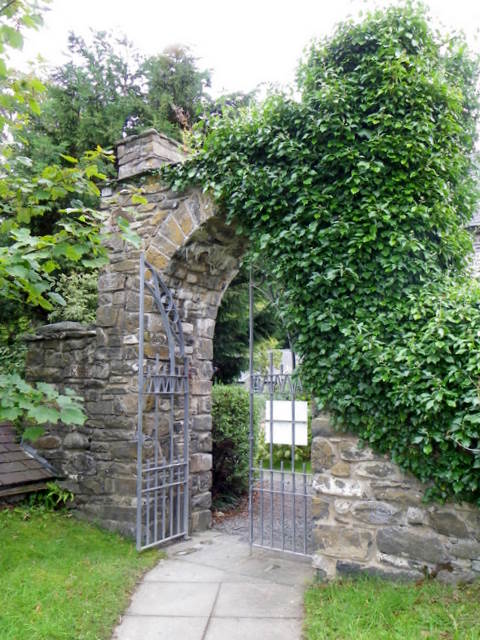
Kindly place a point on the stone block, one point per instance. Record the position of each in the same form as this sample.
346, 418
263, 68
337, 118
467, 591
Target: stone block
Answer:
205, 327
75, 440
184, 219
202, 501
324, 567
48, 442
121, 486
378, 469
156, 259
347, 488
172, 230
400, 541
201, 387
465, 549
340, 469
320, 508
83, 463
201, 520
341, 542
321, 426
110, 281
448, 523
200, 462
374, 512
342, 507
401, 494
354, 569
352, 452
107, 316
204, 349
202, 422
416, 516
323, 455
202, 443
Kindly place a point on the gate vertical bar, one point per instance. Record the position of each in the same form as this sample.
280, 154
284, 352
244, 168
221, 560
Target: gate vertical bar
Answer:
251, 399
141, 326
271, 390
294, 506
186, 447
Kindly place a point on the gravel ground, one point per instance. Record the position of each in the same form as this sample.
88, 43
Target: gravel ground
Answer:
278, 532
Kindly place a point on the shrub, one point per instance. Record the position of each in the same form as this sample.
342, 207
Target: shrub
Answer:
80, 293
13, 347
357, 197
230, 432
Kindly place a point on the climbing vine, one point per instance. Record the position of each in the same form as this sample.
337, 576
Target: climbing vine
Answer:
359, 194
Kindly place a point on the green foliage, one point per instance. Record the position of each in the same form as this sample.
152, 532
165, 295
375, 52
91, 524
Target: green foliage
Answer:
230, 344
175, 97
357, 196
46, 224
62, 578
375, 609
25, 404
230, 433
283, 452
13, 347
79, 290
261, 355
52, 499
106, 90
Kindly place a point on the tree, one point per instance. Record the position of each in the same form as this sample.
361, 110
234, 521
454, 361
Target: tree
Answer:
28, 260
357, 196
108, 90
231, 340
175, 93
92, 100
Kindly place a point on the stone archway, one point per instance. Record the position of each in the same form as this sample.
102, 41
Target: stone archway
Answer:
368, 516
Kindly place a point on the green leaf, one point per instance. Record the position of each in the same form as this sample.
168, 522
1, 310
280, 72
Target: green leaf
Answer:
73, 415
42, 414
33, 433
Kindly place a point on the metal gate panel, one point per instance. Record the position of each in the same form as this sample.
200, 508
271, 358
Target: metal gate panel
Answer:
162, 421
279, 494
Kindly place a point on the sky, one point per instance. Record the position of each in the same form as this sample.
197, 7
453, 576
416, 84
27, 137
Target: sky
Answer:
243, 42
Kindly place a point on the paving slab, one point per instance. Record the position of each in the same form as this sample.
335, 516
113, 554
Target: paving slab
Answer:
174, 599
249, 628
258, 601
173, 570
161, 628
213, 587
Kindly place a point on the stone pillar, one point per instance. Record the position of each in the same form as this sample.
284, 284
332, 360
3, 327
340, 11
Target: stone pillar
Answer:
196, 255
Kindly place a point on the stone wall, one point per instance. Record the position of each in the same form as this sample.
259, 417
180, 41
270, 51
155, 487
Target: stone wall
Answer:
369, 517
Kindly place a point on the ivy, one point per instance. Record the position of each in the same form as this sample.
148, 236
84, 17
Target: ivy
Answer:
357, 196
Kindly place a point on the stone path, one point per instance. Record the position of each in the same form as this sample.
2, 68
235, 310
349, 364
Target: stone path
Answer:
212, 588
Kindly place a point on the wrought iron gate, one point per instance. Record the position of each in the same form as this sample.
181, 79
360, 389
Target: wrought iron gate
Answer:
279, 490
163, 419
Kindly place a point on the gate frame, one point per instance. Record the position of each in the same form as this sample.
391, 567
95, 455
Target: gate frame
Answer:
274, 383
164, 381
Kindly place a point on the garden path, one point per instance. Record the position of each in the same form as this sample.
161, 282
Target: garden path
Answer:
212, 587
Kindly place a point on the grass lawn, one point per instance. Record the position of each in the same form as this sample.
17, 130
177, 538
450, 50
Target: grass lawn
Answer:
63, 579
373, 609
